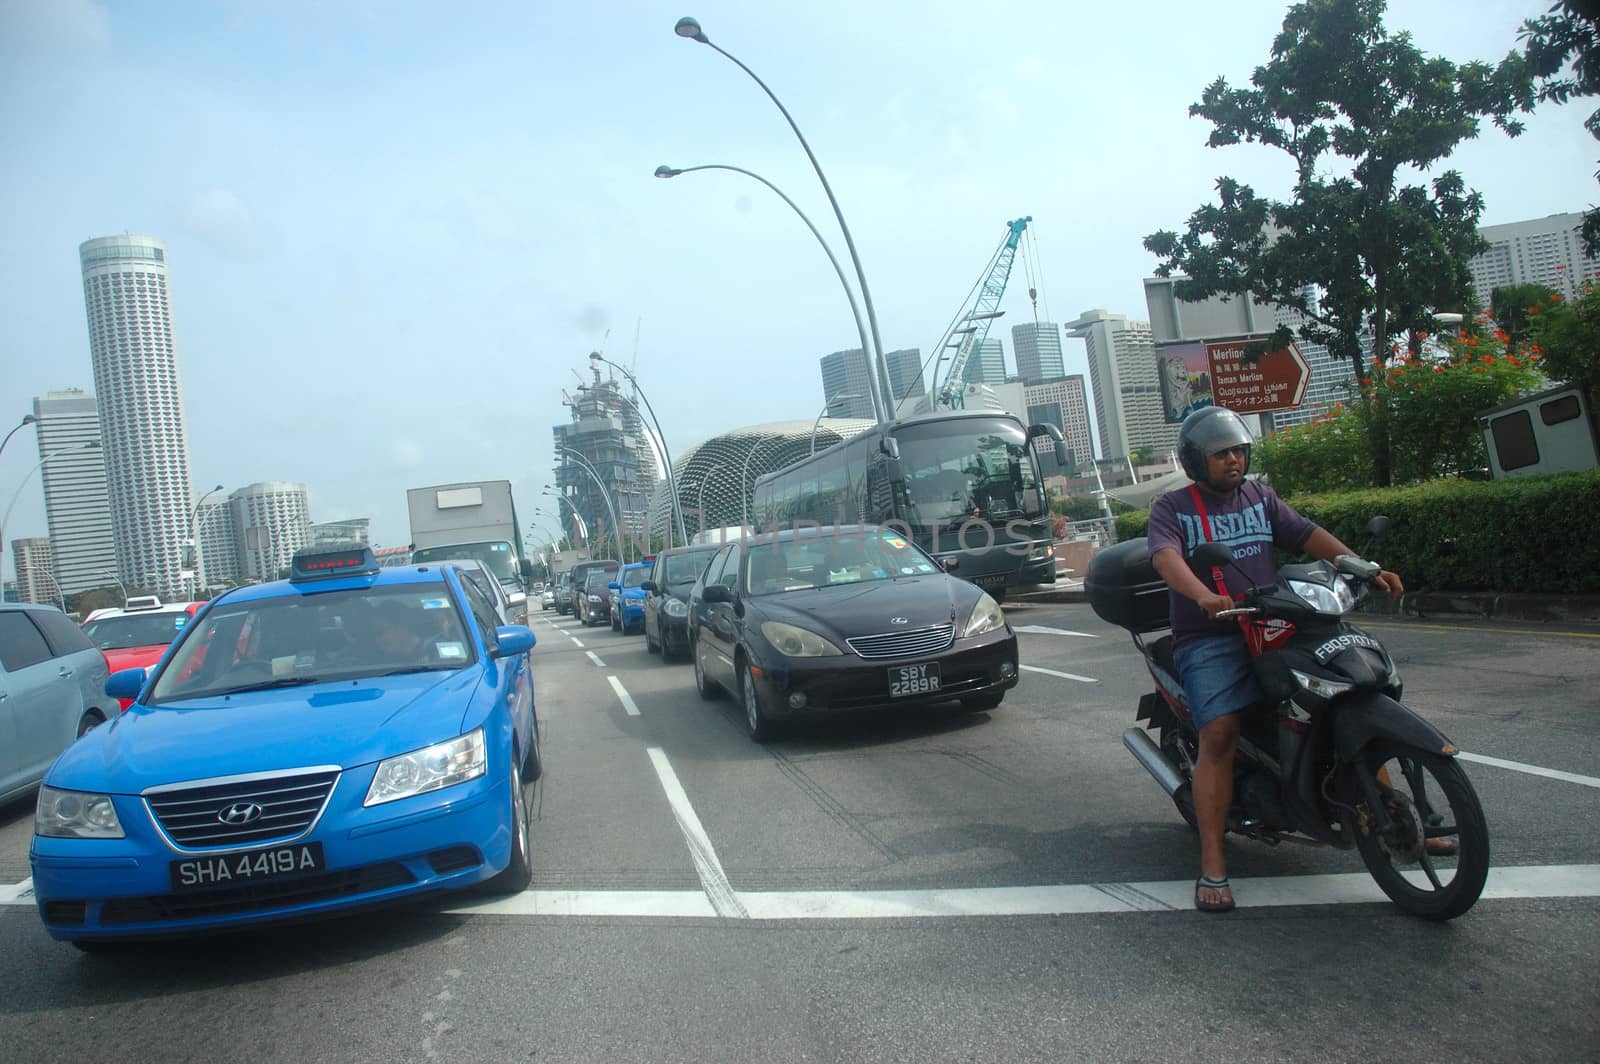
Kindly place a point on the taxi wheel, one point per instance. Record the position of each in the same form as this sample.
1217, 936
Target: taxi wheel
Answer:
756, 721
518, 873
707, 687
616, 625
533, 760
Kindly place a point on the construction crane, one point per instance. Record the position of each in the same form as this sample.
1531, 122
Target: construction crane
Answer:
968, 330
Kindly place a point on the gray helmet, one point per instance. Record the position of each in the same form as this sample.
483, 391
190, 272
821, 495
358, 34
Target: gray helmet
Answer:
1207, 431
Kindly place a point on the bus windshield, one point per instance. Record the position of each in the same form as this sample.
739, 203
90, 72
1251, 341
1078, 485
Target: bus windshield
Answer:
497, 556
964, 468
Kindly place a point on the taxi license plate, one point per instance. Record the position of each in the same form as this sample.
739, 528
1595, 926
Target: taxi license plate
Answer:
250, 866
913, 680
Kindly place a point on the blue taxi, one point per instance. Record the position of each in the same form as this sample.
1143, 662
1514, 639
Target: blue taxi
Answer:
349, 736
628, 592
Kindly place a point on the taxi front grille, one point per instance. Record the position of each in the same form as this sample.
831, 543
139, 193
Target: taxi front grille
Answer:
904, 644
207, 815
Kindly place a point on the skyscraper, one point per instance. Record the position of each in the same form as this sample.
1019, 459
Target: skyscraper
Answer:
1127, 390
1037, 345
905, 378
988, 362
271, 520
35, 581
1064, 404
75, 502
140, 397
219, 544
845, 373
1545, 251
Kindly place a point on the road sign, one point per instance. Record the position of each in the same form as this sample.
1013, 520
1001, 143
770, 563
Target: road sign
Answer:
1276, 381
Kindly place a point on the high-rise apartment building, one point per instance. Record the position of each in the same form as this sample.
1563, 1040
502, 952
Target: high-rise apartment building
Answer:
1063, 403
988, 362
1545, 251
846, 388
35, 581
140, 397
219, 544
1037, 345
271, 520
75, 500
1127, 388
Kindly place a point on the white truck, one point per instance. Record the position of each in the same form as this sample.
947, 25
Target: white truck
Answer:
473, 520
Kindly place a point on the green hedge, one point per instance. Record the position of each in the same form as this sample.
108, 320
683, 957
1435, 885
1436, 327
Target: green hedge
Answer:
1529, 534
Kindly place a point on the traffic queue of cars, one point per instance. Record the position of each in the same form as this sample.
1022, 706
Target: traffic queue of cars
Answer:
805, 622
349, 736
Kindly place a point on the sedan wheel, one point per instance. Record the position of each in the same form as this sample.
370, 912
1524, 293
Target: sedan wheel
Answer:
519, 872
89, 722
760, 726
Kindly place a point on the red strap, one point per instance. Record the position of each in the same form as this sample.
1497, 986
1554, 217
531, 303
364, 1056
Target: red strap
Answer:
1205, 532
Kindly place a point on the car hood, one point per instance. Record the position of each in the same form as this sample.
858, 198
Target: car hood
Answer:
339, 723
848, 610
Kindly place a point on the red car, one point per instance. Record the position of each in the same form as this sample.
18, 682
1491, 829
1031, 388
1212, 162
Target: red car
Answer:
136, 637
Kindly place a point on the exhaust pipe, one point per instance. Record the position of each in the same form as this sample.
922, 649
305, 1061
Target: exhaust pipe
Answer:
1148, 754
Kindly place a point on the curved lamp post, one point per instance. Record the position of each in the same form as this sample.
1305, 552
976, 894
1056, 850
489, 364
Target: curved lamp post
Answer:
27, 419
878, 404
700, 497
840, 397
52, 578
87, 445
605, 492
116, 580
744, 476
689, 29
194, 539
583, 526
652, 432
672, 480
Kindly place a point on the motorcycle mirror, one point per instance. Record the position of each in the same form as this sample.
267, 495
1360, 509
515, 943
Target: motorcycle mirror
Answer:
1209, 556
1378, 527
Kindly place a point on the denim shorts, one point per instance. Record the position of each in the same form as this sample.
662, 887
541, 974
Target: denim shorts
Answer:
1218, 678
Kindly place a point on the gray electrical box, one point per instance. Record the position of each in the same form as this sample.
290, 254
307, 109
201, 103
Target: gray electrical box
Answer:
1552, 432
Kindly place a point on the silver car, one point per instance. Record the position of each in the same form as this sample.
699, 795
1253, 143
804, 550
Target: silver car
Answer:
52, 690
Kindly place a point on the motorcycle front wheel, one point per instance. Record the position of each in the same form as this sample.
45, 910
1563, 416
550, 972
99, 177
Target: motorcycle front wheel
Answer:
1428, 797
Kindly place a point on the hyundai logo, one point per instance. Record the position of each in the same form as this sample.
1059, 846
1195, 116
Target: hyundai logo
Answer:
899, 620
239, 813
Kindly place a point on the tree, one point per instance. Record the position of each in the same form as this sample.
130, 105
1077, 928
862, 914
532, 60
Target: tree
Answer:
1510, 304
1569, 32
1362, 255
1567, 337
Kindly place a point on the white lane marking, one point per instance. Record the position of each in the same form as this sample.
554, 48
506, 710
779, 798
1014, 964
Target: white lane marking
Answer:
17, 893
622, 693
712, 878
1044, 629
595, 658
576, 640
1532, 770
1063, 675
1356, 888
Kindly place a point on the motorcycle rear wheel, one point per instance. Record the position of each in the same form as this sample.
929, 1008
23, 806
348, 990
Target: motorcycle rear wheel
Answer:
1431, 798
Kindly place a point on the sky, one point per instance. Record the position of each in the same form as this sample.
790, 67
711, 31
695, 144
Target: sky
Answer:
397, 230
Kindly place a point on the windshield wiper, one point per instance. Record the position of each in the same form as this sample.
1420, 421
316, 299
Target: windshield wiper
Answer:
405, 669
282, 681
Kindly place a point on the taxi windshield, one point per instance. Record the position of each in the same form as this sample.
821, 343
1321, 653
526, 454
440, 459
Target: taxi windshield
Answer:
135, 630
295, 639
635, 577
845, 558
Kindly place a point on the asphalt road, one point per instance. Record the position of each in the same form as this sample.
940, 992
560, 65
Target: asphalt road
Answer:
902, 887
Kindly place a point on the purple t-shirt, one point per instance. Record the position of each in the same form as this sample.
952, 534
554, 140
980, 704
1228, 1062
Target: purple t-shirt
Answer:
1251, 519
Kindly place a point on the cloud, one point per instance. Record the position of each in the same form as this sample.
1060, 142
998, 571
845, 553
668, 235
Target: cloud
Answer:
219, 220
76, 25
593, 318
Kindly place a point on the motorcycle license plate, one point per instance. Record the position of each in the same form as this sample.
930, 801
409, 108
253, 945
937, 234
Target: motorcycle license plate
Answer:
251, 866
907, 680
1340, 643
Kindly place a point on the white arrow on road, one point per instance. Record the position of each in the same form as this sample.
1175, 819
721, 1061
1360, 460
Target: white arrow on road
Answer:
1042, 629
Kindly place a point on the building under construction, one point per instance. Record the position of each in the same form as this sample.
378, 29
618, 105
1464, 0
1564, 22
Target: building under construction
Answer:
608, 435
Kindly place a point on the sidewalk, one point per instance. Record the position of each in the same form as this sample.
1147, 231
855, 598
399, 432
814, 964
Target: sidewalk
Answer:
1548, 609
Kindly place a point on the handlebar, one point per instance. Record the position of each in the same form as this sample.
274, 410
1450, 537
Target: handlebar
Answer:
1237, 611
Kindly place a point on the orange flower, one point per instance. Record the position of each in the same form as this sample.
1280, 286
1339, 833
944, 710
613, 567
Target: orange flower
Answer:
1489, 359
1473, 342
1555, 297
1514, 361
1438, 369
1500, 334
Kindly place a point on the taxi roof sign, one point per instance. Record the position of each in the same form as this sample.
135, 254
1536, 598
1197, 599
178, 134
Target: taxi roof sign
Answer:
329, 564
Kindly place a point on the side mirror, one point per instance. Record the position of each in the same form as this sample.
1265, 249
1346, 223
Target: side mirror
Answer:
126, 683
1378, 527
717, 593
1211, 556
613, 585
950, 564
895, 470
650, 587
890, 447
1063, 454
526, 566
513, 639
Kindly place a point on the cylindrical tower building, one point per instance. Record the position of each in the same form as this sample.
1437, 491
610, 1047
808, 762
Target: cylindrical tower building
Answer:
143, 441
272, 520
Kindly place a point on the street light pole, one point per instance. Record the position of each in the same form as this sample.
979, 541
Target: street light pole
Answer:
605, 492
583, 528
27, 419
826, 406
194, 540
879, 405
52, 578
85, 446
666, 457
743, 476
116, 580
689, 29
700, 498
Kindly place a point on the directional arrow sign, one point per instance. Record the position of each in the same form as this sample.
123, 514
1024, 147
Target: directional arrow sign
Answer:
1276, 381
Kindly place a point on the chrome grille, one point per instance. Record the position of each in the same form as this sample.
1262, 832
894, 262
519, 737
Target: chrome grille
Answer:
190, 814
904, 644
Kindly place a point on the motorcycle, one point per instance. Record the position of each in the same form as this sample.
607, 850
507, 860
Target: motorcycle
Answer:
1336, 759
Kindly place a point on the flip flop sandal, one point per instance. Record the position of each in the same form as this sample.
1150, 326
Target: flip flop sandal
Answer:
1207, 883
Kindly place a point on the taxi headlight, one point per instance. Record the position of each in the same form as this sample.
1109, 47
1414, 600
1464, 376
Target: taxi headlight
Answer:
792, 641
1334, 600
986, 616
675, 608
440, 765
75, 815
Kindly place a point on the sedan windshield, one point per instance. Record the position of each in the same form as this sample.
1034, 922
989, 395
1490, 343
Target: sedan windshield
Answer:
300, 639
845, 558
685, 568
135, 630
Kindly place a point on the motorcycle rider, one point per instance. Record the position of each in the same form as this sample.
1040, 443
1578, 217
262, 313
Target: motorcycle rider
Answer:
1212, 658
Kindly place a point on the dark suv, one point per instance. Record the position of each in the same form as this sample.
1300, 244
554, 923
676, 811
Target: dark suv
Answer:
591, 604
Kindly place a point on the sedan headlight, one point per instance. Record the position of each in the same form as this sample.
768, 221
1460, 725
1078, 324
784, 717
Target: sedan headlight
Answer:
440, 765
1334, 600
75, 815
675, 608
594, 598
986, 616
792, 641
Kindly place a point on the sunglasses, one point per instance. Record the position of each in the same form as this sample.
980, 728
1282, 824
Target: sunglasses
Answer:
1242, 450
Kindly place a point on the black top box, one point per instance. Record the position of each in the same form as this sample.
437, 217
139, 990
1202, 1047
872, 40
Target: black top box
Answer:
1124, 590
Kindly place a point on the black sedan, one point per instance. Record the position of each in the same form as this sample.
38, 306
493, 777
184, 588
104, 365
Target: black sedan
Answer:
666, 598
807, 621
